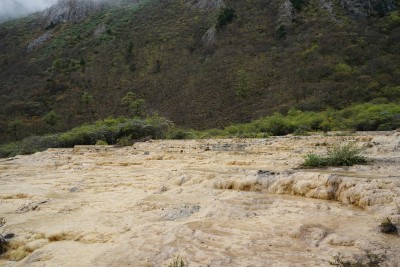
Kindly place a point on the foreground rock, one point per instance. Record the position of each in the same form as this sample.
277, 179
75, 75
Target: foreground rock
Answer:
213, 202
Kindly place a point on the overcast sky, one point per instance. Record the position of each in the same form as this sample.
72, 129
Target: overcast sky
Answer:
18, 8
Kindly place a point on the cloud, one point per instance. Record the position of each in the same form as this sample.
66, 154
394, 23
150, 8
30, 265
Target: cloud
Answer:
17, 8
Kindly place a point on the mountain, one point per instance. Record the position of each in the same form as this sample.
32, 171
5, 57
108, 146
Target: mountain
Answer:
200, 63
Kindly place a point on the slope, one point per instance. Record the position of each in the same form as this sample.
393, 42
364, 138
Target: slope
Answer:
199, 63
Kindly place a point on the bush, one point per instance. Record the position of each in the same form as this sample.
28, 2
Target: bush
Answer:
226, 15
178, 262
109, 131
101, 143
179, 134
344, 155
9, 150
124, 141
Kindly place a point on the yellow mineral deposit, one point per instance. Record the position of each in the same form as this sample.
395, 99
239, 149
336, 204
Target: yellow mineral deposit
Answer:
237, 202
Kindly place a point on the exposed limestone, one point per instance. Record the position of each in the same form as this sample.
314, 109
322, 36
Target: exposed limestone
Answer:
71, 11
285, 13
364, 8
210, 36
206, 4
237, 202
40, 40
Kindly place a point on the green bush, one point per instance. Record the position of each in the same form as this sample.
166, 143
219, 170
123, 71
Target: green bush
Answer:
345, 155
9, 150
124, 141
178, 262
110, 131
339, 155
179, 134
101, 143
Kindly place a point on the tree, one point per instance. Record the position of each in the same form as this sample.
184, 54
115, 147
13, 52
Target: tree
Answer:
226, 15
86, 98
13, 127
242, 86
51, 118
134, 105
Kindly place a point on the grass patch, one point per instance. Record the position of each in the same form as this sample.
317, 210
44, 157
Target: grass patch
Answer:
339, 155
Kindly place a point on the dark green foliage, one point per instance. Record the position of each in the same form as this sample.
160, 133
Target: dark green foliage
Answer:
339, 155
109, 130
226, 16
280, 32
180, 134
133, 104
51, 118
13, 127
124, 141
298, 4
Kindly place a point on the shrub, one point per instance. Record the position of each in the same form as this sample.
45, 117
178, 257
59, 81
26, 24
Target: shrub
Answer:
124, 141
178, 262
101, 143
226, 15
313, 160
108, 130
9, 150
339, 155
179, 134
345, 155
280, 32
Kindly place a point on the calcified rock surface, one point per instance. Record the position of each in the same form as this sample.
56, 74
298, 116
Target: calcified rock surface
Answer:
213, 202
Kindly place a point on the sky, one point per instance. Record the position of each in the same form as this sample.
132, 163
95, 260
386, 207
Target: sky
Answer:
18, 8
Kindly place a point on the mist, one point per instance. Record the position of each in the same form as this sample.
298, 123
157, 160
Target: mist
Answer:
10, 9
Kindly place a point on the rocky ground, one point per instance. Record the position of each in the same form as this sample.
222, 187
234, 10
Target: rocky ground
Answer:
237, 202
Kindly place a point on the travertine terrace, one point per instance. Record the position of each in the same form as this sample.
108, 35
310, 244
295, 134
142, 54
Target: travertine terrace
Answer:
237, 202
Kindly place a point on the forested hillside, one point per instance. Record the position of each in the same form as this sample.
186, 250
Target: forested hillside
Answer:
201, 64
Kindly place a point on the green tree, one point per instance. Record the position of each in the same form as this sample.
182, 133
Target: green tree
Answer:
86, 98
226, 15
133, 104
51, 118
13, 127
242, 86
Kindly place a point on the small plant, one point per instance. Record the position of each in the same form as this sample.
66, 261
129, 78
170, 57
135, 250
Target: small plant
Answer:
368, 260
101, 143
314, 160
339, 155
388, 227
178, 262
124, 141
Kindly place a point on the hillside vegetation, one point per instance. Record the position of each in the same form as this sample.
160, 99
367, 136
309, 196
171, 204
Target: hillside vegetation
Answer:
200, 64
124, 132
